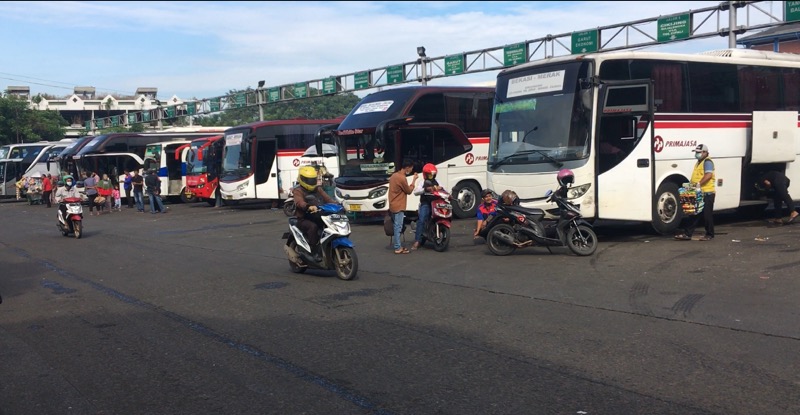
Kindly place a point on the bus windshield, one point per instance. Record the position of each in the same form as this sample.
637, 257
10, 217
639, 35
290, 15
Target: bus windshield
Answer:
194, 165
361, 155
541, 115
236, 163
152, 157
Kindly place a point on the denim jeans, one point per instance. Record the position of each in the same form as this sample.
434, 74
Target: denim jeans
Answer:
397, 218
155, 199
139, 198
422, 222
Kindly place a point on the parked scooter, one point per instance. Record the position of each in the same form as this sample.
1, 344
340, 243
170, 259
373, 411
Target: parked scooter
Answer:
336, 249
72, 223
437, 230
518, 227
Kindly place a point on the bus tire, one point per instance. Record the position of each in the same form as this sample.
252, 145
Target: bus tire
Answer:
187, 199
667, 211
466, 196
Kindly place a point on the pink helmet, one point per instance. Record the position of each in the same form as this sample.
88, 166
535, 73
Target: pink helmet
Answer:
565, 177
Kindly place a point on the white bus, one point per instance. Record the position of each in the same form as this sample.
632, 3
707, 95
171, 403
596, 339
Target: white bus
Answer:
446, 126
261, 160
627, 123
168, 159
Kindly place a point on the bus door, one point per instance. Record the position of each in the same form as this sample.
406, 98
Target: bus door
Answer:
174, 156
9, 175
266, 168
623, 151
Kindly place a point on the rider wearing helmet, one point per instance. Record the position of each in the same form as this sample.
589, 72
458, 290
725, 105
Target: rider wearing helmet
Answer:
69, 190
424, 190
307, 196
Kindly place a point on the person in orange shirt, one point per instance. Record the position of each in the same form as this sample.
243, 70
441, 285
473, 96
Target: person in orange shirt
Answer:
47, 189
399, 189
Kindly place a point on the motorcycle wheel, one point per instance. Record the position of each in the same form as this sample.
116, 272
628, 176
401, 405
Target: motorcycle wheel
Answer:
77, 228
581, 240
288, 208
497, 245
297, 269
346, 263
441, 243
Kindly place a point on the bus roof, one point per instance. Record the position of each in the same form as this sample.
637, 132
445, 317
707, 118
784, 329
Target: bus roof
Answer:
733, 56
296, 121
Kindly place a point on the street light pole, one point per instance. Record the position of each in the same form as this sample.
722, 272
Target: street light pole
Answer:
423, 62
259, 100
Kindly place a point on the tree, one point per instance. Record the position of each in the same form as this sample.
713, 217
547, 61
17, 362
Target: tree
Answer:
315, 108
19, 123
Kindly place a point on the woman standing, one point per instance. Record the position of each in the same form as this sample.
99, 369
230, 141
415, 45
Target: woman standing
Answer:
104, 189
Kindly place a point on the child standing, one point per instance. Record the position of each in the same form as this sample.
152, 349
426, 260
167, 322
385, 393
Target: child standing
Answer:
117, 200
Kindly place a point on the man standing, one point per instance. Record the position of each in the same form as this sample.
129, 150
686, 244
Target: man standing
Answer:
399, 189
47, 189
137, 182
153, 184
127, 186
778, 183
703, 178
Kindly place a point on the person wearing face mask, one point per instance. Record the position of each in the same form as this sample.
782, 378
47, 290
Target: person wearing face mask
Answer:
703, 178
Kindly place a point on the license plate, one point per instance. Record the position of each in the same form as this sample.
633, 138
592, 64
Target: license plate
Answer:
229, 197
355, 207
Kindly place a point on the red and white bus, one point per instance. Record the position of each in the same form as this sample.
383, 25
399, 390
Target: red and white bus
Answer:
626, 123
203, 163
446, 126
261, 160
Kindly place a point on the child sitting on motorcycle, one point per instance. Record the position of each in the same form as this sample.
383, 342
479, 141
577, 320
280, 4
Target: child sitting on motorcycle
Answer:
424, 190
307, 196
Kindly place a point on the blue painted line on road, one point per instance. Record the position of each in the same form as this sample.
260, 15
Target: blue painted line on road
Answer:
278, 362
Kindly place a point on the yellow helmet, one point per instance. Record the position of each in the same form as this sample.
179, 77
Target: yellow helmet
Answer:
307, 178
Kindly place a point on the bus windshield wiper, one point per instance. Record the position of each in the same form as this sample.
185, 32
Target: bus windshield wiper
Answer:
525, 153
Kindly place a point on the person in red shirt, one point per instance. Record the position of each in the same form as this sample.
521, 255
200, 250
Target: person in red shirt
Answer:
47, 189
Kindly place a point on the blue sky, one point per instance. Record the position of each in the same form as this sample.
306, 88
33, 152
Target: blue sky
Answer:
205, 49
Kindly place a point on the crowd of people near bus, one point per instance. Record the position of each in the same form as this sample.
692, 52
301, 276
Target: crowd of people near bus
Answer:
103, 195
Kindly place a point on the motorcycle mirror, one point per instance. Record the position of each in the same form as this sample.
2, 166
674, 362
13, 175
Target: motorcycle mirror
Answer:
548, 193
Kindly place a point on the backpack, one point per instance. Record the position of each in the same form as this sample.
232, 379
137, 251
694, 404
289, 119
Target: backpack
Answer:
388, 225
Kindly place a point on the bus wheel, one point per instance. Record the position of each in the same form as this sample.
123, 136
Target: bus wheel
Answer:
466, 199
187, 199
667, 211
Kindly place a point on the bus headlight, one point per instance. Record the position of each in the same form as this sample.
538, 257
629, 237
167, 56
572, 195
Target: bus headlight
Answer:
578, 191
376, 193
339, 193
242, 186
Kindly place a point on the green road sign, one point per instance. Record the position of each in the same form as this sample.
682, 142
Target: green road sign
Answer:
191, 108
240, 100
454, 65
131, 118
300, 90
213, 105
89, 125
361, 80
274, 94
146, 116
792, 11
395, 74
100, 123
584, 42
674, 28
515, 54
115, 121
170, 111
329, 86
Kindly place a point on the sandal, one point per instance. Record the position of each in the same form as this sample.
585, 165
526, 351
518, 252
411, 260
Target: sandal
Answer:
415, 246
706, 238
683, 237
790, 220
401, 251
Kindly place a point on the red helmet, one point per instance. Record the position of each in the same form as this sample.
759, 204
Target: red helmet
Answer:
429, 171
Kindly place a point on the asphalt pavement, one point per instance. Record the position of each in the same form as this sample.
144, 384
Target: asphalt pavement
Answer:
197, 312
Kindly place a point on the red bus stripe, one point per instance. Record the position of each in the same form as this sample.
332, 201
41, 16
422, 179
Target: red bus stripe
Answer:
689, 125
479, 140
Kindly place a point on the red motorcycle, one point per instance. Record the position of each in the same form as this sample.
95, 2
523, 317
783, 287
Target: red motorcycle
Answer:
437, 230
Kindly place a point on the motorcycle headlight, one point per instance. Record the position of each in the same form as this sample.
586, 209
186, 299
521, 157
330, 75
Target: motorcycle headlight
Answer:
578, 191
376, 193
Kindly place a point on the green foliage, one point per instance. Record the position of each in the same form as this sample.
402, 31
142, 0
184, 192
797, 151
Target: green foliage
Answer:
21, 124
315, 108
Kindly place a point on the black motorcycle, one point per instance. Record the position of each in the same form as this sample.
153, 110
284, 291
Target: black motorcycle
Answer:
517, 227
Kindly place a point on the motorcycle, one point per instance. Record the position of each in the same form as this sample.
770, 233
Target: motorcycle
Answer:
72, 223
437, 230
517, 227
337, 251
